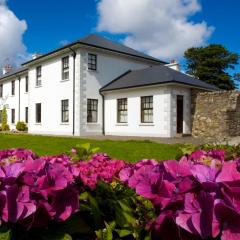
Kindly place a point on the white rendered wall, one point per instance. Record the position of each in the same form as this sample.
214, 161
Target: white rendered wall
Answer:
12, 101
186, 93
50, 94
164, 113
161, 113
24, 101
109, 67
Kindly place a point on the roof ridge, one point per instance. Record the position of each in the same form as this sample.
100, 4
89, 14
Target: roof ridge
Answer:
122, 75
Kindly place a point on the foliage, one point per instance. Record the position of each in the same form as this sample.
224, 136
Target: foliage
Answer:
231, 151
21, 126
211, 64
63, 198
5, 126
83, 151
194, 198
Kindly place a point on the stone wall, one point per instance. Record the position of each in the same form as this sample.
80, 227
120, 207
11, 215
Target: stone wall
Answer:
216, 114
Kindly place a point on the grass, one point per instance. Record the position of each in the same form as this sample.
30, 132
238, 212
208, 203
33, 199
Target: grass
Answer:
127, 150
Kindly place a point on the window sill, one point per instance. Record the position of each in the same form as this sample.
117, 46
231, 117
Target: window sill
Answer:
93, 123
121, 124
94, 71
146, 124
26, 93
64, 123
38, 124
13, 95
38, 86
64, 80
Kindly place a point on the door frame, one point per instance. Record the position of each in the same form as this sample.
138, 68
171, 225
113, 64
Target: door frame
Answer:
179, 114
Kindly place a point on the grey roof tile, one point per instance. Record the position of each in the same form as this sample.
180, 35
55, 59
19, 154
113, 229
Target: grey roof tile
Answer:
98, 41
13, 72
155, 75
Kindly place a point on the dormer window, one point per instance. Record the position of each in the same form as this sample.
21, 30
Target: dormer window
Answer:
92, 62
38, 76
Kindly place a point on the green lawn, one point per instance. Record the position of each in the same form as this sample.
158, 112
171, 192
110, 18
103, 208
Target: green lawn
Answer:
126, 150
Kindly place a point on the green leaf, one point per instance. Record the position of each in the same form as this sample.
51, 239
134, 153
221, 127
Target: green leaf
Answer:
95, 210
85, 146
107, 233
99, 234
56, 236
94, 150
83, 196
5, 233
75, 224
123, 232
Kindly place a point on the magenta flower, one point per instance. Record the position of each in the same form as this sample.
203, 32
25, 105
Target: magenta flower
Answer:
229, 172
228, 220
177, 169
197, 215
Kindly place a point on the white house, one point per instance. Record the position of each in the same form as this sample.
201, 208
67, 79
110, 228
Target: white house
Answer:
95, 86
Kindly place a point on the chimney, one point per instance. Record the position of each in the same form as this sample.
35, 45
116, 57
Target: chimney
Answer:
36, 55
6, 69
174, 65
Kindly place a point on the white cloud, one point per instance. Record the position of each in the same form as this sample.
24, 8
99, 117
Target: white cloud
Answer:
159, 27
12, 48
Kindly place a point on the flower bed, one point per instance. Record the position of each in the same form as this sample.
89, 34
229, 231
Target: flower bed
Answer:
62, 197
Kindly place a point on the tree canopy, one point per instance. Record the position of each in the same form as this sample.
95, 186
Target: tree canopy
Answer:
212, 64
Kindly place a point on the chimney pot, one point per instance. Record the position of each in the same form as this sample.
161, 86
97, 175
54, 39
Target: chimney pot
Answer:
36, 55
6, 69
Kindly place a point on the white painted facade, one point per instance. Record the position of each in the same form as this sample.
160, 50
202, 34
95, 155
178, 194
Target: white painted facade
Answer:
87, 84
164, 112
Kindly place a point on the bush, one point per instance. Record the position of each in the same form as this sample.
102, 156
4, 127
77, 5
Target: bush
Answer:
5, 126
21, 126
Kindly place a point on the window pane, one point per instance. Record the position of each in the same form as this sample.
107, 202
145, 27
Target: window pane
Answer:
13, 87
1, 91
26, 84
39, 76
26, 114
92, 110
147, 109
38, 113
122, 110
13, 116
65, 68
65, 110
92, 61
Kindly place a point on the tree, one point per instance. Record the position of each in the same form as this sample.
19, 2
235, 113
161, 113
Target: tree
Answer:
211, 64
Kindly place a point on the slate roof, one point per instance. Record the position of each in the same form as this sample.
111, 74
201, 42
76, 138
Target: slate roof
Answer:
13, 72
94, 40
153, 76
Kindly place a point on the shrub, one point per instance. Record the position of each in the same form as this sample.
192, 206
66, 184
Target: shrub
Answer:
21, 126
5, 126
60, 197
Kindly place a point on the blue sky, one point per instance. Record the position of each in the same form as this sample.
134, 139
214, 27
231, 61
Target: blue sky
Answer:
51, 23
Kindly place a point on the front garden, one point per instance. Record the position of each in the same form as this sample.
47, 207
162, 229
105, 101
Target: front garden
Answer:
83, 194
